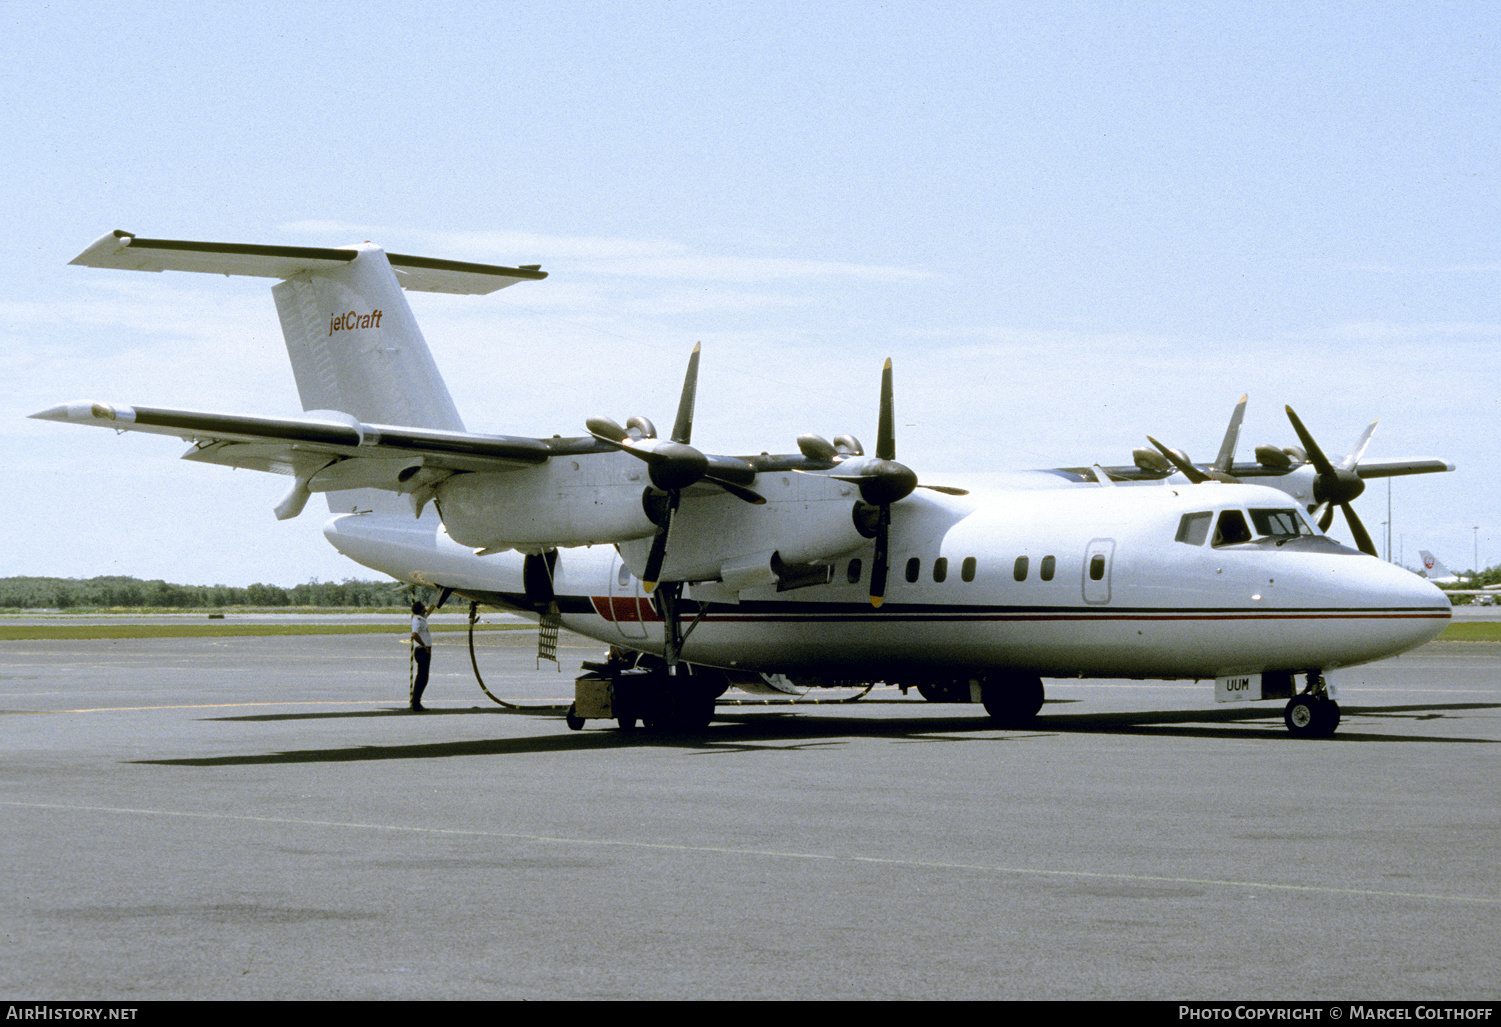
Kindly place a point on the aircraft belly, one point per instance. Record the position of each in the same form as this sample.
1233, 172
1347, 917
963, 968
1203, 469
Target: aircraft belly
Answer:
1053, 643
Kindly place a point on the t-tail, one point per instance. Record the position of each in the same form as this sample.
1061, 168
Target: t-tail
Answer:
352, 338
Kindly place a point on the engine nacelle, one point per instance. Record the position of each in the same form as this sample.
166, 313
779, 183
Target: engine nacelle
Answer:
807, 520
568, 501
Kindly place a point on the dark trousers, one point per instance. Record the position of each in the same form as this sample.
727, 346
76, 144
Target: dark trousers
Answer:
422, 657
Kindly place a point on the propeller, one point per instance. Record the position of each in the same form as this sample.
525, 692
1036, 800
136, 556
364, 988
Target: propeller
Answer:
672, 466
882, 482
1218, 471
1337, 485
1180, 460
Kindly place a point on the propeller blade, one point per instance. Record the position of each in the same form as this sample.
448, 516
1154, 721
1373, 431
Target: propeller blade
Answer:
1362, 537
1327, 517
878, 565
1226, 458
1315, 454
947, 490
1349, 462
1337, 485
682, 428
738, 491
886, 427
1190, 472
653, 572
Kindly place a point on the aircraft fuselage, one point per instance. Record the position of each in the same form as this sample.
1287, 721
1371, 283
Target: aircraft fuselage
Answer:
1072, 581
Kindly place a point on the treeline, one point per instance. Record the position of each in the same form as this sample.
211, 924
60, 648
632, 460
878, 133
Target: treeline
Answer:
114, 591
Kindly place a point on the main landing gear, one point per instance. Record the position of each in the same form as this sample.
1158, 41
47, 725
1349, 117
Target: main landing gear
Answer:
630, 688
1312, 713
662, 694
1012, 698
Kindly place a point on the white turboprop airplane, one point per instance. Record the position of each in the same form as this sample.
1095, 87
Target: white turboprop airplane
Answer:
825, 567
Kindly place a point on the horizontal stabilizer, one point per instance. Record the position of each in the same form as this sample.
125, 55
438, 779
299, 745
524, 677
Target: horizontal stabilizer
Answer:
125, 251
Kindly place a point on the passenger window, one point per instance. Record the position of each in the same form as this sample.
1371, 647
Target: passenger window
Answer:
1193, 529
1019, 572
967, 569
940, 568
1232, 529
914, 569
852, 575
624, 577
1096, 568
1048, 566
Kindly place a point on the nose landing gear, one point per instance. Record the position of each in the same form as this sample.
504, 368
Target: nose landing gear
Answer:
1312, 713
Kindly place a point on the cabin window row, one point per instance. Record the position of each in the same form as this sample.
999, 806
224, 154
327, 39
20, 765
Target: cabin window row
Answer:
967, 568
1046, 570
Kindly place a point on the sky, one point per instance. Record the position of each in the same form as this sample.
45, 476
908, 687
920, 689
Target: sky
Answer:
1068, 224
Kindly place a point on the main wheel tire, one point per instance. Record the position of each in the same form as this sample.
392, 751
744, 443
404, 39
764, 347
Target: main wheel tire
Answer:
1328, 717
574, 721
1013, 700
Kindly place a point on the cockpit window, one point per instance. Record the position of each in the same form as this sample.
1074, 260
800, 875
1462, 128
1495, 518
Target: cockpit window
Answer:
1193, 529
1279, 522
1231, 530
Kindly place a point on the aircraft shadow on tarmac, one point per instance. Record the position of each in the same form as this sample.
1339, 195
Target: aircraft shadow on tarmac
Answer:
744, 732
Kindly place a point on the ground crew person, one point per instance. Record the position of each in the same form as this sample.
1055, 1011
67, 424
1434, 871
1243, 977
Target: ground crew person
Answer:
422, 652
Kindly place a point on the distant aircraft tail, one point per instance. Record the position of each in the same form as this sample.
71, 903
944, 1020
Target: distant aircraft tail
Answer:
1433, 567
354, 344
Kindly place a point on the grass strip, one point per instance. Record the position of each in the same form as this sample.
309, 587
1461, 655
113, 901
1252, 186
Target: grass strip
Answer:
224, 629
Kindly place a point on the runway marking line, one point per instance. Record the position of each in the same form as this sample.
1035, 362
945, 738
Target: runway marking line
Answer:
217, 705
918, 864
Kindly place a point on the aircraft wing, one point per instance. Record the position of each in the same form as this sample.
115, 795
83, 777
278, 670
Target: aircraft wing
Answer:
1395, 468
325, 450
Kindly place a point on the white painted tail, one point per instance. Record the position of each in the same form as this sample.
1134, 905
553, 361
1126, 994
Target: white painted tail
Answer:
355, 346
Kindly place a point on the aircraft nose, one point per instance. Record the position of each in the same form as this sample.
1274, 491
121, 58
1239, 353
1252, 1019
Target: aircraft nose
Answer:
1420, 610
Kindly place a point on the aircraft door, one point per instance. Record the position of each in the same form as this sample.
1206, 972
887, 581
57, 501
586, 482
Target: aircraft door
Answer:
626, 601
1098, 558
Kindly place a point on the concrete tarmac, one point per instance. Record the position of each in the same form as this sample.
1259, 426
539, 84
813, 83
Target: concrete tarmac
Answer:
258, 817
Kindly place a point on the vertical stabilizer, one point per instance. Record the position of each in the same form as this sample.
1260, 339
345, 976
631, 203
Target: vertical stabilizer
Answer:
356, 347
354, 344
1434, 569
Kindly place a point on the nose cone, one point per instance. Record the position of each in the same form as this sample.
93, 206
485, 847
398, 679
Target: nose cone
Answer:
1411, 610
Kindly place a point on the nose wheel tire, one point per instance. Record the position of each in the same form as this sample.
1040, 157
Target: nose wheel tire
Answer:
1311, 716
